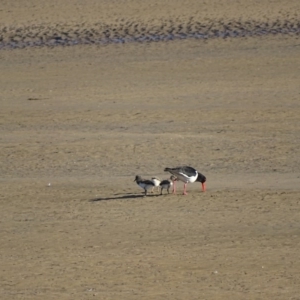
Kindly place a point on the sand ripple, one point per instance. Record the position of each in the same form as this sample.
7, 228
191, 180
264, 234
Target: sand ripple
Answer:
123, 31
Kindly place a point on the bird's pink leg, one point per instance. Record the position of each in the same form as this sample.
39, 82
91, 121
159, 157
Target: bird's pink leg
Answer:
203, 187
184, 189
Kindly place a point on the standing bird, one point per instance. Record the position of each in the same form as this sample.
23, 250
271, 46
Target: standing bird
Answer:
187, 174
156, 182
144, 183
166, 184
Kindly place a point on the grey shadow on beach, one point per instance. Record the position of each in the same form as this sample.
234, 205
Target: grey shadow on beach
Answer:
123, 197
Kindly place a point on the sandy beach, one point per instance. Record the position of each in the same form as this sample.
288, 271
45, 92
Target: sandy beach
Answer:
79, 120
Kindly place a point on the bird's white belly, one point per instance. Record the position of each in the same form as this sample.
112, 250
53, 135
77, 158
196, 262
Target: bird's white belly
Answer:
156, 181
145, 186
186, 179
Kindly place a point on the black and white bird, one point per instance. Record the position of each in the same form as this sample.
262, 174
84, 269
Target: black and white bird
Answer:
167, 183
156, 182
187, 175
144, 183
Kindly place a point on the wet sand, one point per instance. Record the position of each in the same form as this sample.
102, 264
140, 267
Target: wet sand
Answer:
78, 123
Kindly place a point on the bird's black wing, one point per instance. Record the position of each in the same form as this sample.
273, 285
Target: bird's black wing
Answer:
189, 171
165, 182
148, 182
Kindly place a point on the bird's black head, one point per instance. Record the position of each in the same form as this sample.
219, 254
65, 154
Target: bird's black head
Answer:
137, 178
201, 178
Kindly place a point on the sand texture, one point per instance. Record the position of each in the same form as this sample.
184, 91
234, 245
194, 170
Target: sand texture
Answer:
44, 23
87, 104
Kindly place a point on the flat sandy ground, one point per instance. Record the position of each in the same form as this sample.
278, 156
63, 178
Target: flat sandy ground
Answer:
78, 123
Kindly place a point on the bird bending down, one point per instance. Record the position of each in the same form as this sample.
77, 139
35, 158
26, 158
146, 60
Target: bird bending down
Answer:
156, 182
167, 183
144, 183
187, 174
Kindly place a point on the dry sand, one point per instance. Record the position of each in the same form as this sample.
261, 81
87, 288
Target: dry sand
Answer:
78, 123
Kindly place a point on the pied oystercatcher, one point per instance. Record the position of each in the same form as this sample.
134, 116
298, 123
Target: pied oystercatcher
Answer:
187, 174
144, 183
156, 182
167, 183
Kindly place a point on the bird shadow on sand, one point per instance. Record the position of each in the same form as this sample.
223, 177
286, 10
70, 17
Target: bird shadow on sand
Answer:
124, 197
